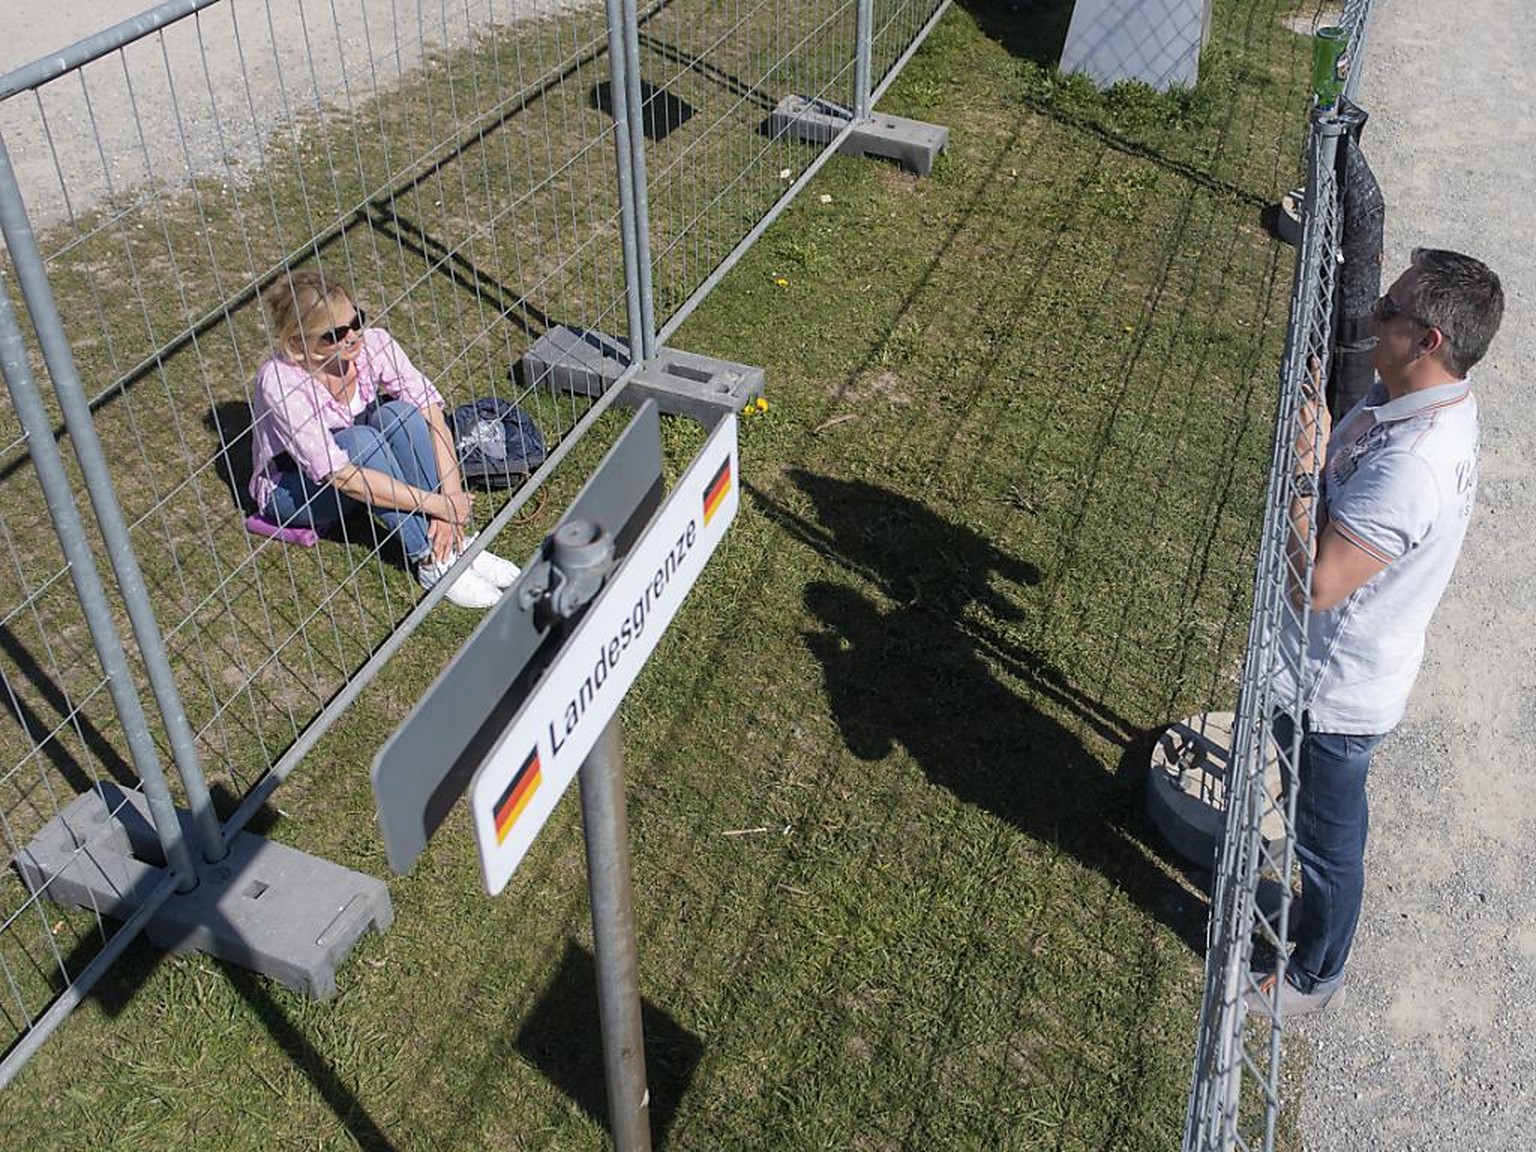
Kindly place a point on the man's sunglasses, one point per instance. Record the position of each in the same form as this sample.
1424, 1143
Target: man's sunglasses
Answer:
339, 333
1385, 308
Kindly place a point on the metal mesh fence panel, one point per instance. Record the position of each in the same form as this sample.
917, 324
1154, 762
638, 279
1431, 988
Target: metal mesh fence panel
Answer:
1237, 1088
454, 166
713, 75
449, 167
899, 25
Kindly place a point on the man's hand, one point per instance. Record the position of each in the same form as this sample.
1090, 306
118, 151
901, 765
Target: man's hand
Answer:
1314, 422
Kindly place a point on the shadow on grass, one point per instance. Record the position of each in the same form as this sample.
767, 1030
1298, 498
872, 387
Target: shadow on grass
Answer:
1030, 29
44, 734
921, 675
562, 1037
308, 1059
230, 422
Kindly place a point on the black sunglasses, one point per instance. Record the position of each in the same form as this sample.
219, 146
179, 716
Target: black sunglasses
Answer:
1385, 308
339, 333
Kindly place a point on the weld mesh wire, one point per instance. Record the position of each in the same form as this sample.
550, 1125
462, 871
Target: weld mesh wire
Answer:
714, 74
454, 164
465, 193
898, 24
1236, 1092
57, 738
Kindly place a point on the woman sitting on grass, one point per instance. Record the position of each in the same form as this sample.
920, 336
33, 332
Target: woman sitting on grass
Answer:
341, 418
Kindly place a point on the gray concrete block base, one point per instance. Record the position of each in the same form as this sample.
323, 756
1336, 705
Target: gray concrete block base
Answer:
575, 361
1187, 787
686, 384
914, 144
265, 906
681, 383
1158, 44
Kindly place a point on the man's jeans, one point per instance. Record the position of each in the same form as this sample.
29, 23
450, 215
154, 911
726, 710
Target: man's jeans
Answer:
390, 437
1332, 817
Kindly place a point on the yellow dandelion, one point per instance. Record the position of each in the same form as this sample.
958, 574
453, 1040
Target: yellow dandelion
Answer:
762, 404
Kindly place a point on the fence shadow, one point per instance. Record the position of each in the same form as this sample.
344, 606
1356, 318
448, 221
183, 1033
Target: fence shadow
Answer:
921, 676
320, 1071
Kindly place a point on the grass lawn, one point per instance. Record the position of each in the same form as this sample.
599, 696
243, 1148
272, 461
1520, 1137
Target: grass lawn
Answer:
894, 881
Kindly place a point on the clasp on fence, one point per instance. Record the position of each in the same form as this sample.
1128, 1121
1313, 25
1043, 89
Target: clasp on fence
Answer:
580, 556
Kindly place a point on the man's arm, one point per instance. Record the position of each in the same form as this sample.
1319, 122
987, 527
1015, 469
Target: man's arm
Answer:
1339, 565
1313, 427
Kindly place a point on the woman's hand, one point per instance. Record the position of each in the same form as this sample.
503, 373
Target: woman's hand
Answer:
445, 526
456, 507
446, 539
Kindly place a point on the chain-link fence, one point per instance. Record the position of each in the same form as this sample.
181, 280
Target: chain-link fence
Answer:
479, 175
1236, 1093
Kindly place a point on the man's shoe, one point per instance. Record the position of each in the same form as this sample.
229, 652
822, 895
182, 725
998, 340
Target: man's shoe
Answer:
1292, 1001
492, 568
470, 590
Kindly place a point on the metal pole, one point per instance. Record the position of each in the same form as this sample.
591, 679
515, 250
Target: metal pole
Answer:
637, 163
864, 38
613, 937
87, 580
618, 87
49, 326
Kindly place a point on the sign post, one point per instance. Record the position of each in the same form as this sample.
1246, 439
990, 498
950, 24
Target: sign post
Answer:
606, 829
573, 635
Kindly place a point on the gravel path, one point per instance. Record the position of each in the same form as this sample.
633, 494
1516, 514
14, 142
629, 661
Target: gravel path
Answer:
207, 92
1433, 1049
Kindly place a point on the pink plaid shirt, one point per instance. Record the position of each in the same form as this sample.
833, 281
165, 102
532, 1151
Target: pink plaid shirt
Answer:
292, 413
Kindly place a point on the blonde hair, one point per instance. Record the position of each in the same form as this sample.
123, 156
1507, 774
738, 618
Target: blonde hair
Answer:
299, 306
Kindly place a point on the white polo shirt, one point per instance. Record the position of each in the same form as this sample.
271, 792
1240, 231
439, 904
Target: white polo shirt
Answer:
1399, 482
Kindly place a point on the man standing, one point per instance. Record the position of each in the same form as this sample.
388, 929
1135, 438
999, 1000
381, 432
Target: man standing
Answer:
1398, 480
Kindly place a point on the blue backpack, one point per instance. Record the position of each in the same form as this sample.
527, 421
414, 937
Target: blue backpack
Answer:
498, 443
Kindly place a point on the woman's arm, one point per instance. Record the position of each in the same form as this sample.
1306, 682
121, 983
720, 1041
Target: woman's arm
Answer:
447, 535
449, 479
393, 371
382, 490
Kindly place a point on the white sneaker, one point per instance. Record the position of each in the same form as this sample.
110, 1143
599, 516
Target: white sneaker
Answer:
492, 568
470, 590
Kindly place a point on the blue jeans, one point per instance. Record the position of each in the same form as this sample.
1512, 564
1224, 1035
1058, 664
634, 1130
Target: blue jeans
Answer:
390, 437
1332, 818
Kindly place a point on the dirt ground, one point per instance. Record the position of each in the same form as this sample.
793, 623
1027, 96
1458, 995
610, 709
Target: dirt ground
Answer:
192, 117
1433, 1049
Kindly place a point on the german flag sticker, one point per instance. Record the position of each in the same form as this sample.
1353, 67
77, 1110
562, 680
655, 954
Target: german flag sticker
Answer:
524, 784
718, 488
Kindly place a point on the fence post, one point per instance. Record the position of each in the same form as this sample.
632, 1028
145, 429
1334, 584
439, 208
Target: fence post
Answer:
48, 462
637, 164
623, 156
48, 324
864, 40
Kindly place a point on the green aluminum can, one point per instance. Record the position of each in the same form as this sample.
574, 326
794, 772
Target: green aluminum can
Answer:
1330, 64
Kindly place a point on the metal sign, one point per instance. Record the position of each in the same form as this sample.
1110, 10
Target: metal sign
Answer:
423, 769
516, 789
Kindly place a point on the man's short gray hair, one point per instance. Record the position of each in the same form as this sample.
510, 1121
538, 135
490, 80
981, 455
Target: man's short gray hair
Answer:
1463, 298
